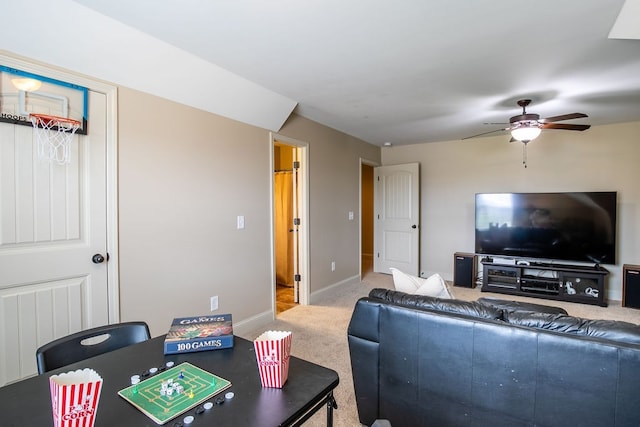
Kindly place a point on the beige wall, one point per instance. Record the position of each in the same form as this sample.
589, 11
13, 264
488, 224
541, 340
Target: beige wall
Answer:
184, 177
604, 158
334, 175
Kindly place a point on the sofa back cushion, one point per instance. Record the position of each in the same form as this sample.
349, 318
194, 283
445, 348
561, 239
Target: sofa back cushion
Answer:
509, 306
611, 330
422, 302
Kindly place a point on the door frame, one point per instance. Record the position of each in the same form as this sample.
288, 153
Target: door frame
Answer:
372, 164
303, 230
111, 179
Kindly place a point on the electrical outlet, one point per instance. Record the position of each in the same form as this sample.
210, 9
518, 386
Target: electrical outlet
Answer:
214, 303
333, 266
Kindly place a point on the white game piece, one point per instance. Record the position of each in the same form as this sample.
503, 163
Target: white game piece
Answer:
134, 378
188, 420
229, 395
169, 364
169, 391
207, 405
153, 370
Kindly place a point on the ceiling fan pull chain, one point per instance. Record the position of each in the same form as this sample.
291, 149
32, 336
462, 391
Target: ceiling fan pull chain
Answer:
524, 154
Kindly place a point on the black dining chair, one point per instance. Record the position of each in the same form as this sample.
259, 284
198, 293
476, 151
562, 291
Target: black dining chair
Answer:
88, 343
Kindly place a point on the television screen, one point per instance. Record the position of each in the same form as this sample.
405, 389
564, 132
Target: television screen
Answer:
578, 226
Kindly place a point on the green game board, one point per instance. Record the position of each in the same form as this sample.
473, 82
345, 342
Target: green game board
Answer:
199, 385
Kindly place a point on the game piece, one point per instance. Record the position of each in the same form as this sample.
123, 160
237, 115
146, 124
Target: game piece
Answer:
199, 410
145, 374
135, 378
191, 394
229, 395
169, 364
153, 370
188, 419
178, 424
219, 401
134, 382
207, 405
181, 376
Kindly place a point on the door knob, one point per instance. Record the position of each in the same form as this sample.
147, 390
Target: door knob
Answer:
97, 259
414, 226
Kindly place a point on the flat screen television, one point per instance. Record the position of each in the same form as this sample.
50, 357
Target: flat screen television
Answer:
578, 226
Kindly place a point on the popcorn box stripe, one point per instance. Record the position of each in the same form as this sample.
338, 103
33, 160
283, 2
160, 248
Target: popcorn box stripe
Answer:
272, 355
74, 404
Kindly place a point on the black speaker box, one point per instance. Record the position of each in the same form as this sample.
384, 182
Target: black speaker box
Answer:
464, 270
631, 286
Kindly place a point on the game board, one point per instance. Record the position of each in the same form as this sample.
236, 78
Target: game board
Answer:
198, 386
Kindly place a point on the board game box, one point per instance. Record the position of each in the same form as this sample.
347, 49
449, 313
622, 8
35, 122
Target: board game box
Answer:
173, 392
189, 334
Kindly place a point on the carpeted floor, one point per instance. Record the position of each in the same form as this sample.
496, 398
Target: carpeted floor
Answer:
320, 333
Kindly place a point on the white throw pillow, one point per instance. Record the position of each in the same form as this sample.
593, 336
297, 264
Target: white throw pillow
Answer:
433, 286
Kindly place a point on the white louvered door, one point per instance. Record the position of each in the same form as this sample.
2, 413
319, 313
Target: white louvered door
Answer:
53, 219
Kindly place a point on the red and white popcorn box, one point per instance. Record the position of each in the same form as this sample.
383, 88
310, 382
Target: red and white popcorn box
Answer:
74, 398
273, 350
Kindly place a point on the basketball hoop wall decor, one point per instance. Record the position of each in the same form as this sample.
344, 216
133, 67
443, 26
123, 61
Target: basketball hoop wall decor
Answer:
54, 135
56, 110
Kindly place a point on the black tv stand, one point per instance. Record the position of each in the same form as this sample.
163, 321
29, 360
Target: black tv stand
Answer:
564, 282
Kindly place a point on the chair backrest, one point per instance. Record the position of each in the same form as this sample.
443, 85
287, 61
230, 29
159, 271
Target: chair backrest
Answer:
91, 342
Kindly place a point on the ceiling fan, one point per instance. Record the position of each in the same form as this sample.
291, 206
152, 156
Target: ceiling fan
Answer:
526, 127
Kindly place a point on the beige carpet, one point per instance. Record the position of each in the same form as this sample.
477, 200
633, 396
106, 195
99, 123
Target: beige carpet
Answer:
320, 333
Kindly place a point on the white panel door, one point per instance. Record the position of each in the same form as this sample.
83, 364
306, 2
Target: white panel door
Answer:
396, 218
53, 219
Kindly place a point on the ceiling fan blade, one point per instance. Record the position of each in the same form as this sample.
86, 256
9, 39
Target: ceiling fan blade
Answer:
564, 126
486, 133
563, 117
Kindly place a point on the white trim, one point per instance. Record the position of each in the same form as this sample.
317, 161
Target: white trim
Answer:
303, 231
319, 296
111, 95
373, 165
252, 323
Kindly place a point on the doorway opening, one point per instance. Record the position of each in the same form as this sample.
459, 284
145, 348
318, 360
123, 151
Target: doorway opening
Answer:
366, 219
290, 229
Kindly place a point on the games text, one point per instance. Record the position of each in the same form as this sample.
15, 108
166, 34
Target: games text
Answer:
199, 344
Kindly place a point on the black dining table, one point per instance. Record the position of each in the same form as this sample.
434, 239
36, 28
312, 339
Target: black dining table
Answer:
308, 389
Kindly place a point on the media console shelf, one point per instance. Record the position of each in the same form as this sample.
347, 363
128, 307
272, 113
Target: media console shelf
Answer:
562, 282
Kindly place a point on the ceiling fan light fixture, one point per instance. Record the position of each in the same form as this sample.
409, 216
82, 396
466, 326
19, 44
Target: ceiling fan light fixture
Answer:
526, 133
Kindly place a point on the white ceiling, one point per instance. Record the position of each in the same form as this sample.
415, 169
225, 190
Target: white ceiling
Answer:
404, 71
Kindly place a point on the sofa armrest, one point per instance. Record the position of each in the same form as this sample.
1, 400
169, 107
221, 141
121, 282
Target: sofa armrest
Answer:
364, 347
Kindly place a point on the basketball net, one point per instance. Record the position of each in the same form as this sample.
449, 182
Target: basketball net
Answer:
54, 135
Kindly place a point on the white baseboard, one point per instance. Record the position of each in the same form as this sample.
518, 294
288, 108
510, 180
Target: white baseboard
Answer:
260, 320
314, 297
251, 324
